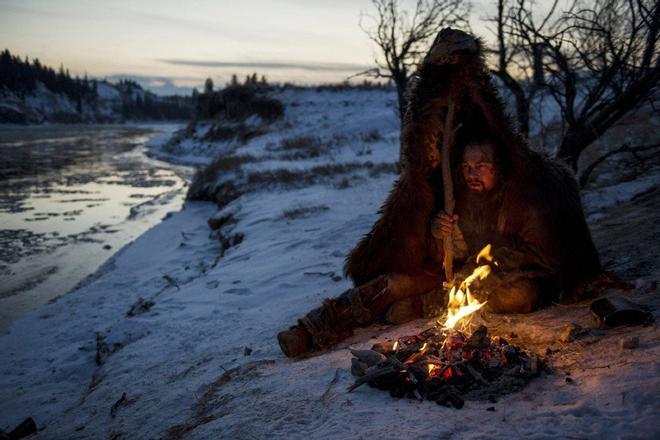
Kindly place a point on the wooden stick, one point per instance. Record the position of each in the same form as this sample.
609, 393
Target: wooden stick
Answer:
382, 371
448, 184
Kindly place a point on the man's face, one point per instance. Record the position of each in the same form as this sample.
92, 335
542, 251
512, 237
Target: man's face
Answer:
478, 167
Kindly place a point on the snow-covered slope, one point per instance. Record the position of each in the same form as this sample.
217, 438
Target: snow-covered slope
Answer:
43, 105
198, 358
112, 103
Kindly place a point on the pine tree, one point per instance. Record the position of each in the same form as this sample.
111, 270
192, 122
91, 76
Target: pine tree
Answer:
208, 86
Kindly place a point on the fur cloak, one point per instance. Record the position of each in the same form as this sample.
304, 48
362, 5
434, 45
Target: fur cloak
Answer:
401, 241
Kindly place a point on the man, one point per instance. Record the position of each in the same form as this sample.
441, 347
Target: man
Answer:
526, 275
525, 205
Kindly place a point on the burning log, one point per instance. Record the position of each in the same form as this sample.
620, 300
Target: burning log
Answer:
446, 366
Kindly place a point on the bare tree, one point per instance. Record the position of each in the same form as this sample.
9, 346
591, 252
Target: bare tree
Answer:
598, 59
403, 35
519, 56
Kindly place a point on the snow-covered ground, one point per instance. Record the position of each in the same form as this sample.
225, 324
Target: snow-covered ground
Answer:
198, 358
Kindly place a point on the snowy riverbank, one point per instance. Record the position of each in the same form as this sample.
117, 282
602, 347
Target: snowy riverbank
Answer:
190, 336
70, 195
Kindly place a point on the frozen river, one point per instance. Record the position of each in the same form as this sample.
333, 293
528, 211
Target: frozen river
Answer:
71, 196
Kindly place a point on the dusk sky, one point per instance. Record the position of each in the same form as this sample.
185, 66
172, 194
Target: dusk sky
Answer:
169, 44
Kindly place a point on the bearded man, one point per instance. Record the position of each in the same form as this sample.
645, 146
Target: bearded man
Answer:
523, 204
527, 272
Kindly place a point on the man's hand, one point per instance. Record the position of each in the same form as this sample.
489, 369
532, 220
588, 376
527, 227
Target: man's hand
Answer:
443, 224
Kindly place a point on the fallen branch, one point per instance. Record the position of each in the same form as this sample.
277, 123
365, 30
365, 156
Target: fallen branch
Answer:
372, 375
117, 404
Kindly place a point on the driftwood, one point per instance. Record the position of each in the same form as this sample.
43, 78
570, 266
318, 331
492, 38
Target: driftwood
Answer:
369, 357
371, 375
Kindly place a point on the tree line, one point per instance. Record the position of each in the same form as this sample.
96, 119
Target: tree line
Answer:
21, 77
136, 103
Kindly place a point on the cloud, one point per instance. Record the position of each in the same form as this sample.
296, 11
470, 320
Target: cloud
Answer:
312, 66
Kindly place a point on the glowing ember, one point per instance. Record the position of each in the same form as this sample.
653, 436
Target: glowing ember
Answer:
461, 302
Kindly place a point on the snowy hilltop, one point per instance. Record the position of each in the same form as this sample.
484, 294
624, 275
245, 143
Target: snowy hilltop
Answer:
175, 336
32, 93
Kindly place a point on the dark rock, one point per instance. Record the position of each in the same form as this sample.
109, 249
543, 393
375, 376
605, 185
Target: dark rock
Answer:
27, 427
615, 311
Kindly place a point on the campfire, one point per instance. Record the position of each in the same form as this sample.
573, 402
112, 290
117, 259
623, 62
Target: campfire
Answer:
446, 363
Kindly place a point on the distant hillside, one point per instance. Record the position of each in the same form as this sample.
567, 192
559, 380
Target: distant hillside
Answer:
31, 93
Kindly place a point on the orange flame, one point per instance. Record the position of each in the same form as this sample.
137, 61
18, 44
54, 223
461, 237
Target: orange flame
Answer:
461, 303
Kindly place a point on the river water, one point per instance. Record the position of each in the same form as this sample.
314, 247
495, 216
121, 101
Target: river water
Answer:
71, 196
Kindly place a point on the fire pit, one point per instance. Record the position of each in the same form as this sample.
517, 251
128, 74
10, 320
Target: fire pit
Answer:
444, 364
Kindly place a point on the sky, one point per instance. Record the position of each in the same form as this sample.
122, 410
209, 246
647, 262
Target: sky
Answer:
171, 46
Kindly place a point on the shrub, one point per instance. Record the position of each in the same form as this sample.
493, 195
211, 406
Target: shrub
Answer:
372, 136
301, 147
238, 103
303, 211
203, 183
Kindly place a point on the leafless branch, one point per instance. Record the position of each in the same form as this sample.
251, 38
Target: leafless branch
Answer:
597, 59
625, 148
403, 35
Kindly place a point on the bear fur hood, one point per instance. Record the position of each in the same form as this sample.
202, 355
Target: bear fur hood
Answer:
401, 241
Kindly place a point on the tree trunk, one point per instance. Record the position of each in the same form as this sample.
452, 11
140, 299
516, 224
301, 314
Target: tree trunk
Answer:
522, 102
573, 143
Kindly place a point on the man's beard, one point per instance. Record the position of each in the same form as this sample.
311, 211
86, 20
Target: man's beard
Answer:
477, 199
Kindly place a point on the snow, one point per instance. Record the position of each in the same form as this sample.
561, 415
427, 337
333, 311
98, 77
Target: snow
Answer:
182, 363
107, 91
606, 197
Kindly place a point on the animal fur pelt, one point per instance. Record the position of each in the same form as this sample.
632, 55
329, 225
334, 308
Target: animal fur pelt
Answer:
400, 240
